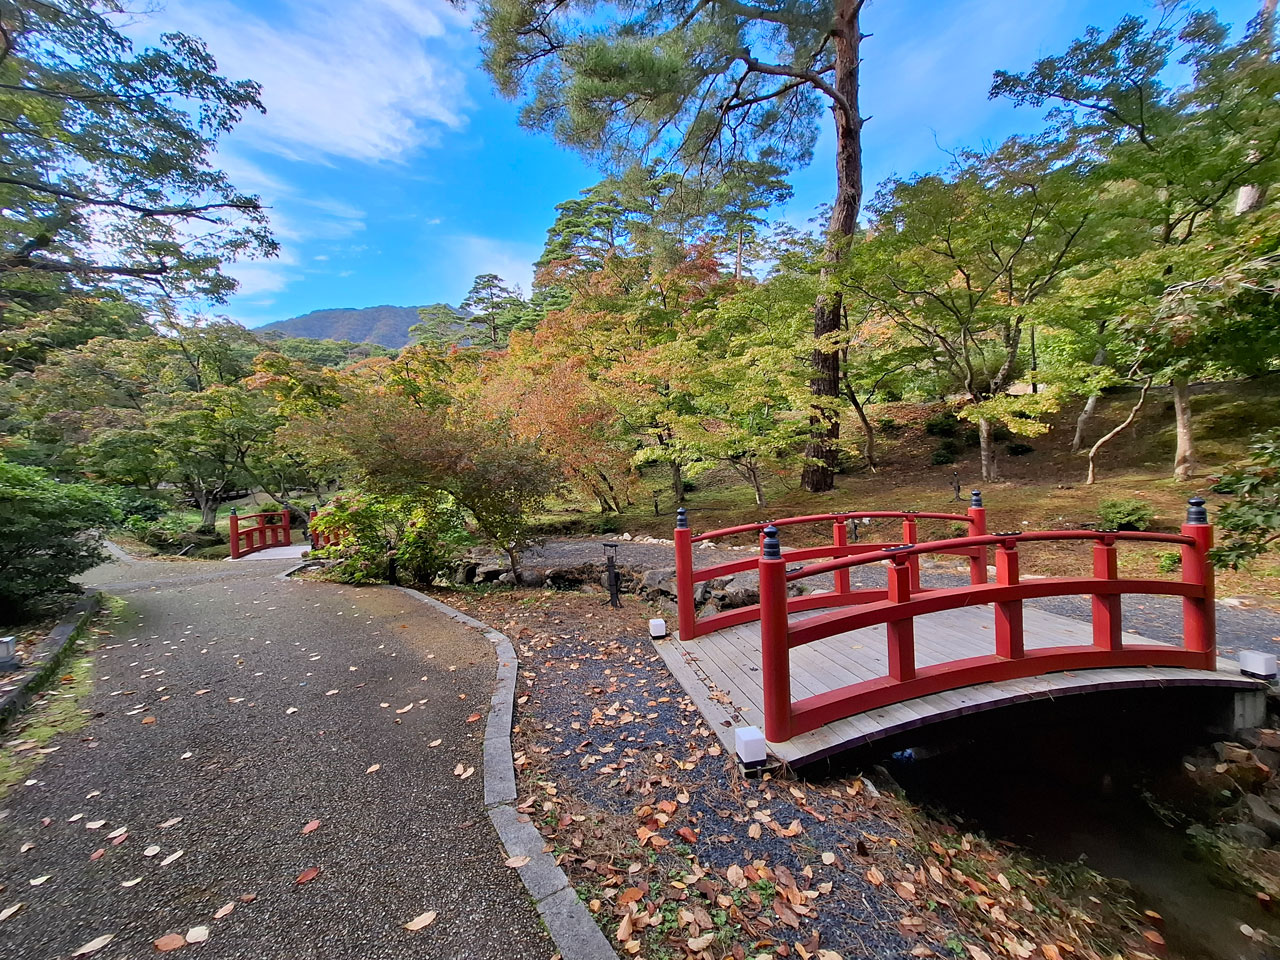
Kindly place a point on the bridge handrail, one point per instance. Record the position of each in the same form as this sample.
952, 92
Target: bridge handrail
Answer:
956, 544
832, 517
261, 535
898, 606
686, 577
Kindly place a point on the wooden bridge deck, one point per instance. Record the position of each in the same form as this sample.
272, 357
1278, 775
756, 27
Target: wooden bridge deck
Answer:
721, 673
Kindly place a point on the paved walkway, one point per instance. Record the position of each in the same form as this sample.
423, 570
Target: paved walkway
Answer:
230, 710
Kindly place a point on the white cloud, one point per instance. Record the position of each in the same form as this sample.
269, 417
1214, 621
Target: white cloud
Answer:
258, 277
511, 260
370, 81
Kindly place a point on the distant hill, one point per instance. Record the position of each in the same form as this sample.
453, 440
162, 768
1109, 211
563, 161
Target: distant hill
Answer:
386, 325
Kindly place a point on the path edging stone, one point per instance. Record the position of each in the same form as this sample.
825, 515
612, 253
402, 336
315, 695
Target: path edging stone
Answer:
49, 656
575, 933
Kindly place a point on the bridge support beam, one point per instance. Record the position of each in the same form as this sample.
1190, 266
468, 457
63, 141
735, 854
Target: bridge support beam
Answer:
1009, 636
775, 645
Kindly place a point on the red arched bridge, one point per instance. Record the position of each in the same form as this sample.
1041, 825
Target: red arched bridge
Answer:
849, 663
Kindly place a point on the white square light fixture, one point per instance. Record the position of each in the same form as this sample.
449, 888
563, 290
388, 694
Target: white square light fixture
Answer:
8, 651
657, 627
1261, 666
749, 744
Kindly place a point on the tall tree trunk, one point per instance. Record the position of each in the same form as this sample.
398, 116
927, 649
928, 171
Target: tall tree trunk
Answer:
753, 474
1082, 422
677, 481
986, 448
208, 510
1184, 457
819, 471
869, 435
1107, 438
1251, 196
737, 270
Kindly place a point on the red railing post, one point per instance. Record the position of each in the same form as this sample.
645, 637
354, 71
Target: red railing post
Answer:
1199, 627
840, 537
775, 646
311, 528
977, 528
1009, 639
901, 633
285, 534
910, 535
685, 611
1106, 607
235, 534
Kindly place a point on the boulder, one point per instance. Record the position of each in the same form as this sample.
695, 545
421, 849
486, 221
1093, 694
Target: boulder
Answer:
489, 572
1247, 835
508, 578
1232, 753
1263, 816
732, 592
533, 578
658, 583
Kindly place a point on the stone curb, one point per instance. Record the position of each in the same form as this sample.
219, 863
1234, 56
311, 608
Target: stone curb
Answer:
52, 651
576, 935
118, 552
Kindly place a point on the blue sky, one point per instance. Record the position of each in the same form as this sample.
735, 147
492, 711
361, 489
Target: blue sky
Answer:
395, 174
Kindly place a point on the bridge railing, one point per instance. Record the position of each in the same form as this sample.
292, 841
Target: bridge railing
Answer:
687, 578
897, 606
319, 539
270, 530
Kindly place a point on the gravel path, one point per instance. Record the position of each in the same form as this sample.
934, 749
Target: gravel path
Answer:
249, 707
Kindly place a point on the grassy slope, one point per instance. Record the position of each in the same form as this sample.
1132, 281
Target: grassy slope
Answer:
1042, 490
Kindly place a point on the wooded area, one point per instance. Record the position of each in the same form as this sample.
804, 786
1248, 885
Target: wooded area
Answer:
1131, 241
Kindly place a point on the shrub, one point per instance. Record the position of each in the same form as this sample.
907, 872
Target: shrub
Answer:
1125, 514
424, 535
133, 503
270, 507
942, 456
1251, 521
945, 424
970, 437
888, 426
1168, 561
171, 534
608, 523
48, 534
1019, 449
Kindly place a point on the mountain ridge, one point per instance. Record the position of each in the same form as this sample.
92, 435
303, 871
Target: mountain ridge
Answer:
384, 324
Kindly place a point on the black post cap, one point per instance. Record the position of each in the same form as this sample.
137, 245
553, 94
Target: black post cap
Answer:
1196, 513
772, 548
233, 512
975, 498
682, 519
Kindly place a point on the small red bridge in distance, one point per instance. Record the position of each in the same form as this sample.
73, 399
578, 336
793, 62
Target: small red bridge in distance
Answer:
845, 665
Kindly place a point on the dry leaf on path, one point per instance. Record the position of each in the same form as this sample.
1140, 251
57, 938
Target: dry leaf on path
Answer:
171, 822
473, 718
151, 851
131, 883
8, 912
94, 945
39, 880
701, 943
374, 768
197, 935
170, 858
313, 825
516, 862
875, 877
170, 941
223, 910
144, 720
422, 920
307, 875
435, 743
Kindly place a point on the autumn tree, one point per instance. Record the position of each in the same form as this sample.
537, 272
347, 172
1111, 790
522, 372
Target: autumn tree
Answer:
701, 83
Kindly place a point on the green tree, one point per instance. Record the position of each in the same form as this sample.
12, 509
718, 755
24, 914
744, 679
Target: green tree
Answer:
47, 536
705, 83
105, 169
439, 325
495, 307
1172, 160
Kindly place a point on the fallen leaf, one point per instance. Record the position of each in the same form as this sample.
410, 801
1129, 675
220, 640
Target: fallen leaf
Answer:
223, 910
151, 851
1050, 951
405, 709
292, 710
197, 935
118, 839
26, 846
171, 822
515, 862
98, 854
473, 718
94, 945
421, 920
248, 897
39, 880
375, 768
875, 877
307, 875
131, 883
118, 832
144, 720
1153, 937
8, 912
465, 773
170, 858
435, 743
170, 941
701, 943
313, 825
828, 858
624, 929
95, 824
